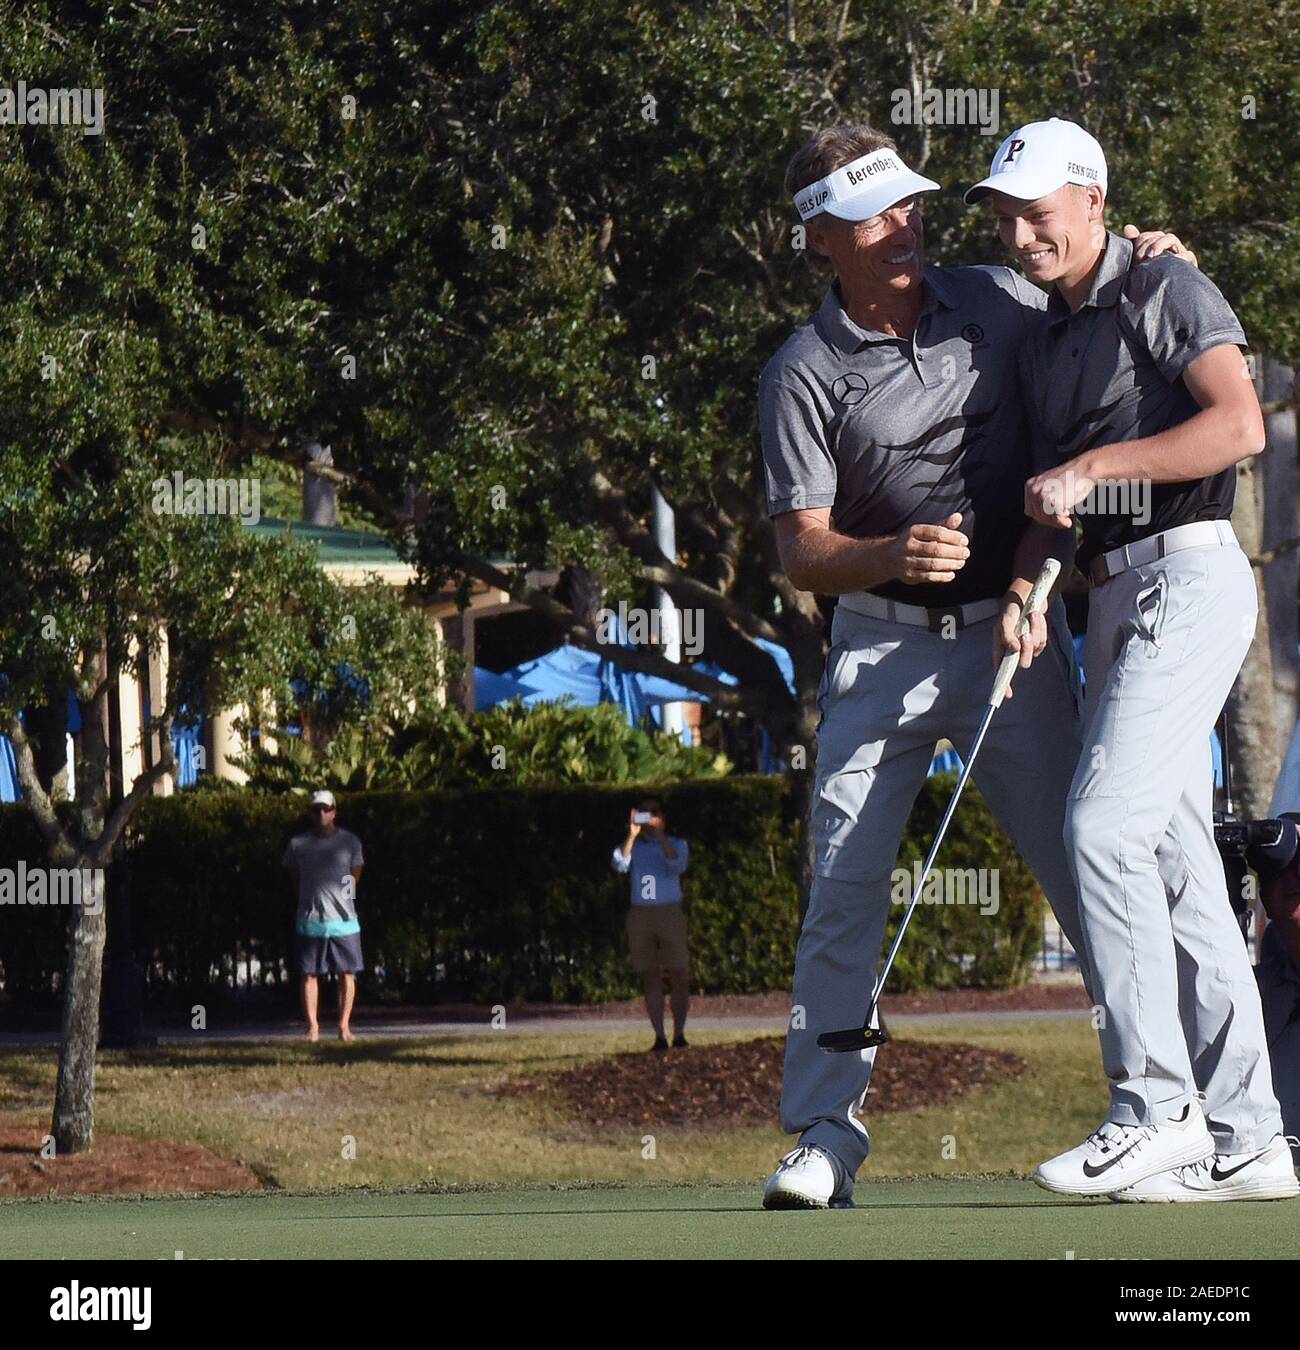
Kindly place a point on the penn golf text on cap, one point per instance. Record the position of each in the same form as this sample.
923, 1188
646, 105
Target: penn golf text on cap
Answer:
1040, 157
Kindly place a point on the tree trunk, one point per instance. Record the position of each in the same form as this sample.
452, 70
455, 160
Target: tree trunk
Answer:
1256, 755
74, 1098
1277, 478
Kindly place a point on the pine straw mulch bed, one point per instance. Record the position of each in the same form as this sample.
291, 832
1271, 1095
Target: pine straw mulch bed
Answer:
116, 1165
740, 1083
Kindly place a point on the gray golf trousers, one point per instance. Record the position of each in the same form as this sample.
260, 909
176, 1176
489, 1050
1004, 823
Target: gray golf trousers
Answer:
1180, 1006
890, 691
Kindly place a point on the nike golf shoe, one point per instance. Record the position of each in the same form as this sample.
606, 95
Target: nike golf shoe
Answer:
809, 1177
1266, 1175
1115, 1157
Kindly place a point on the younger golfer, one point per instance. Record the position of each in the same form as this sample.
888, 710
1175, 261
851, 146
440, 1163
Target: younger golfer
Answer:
1142, 405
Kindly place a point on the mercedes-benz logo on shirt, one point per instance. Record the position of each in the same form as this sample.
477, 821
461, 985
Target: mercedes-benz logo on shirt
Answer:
973, 333
850, 389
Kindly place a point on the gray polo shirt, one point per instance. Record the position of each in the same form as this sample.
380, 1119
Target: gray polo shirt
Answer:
1113, 371
326, 896
892, 432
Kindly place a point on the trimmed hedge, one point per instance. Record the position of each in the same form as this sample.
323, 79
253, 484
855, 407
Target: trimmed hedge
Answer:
33, 942
507, 894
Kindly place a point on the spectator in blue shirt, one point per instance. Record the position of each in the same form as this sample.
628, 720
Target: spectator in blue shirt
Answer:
656, 926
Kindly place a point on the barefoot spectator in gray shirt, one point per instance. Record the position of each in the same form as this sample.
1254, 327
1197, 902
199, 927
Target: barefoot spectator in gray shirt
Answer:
656, 926
324, 868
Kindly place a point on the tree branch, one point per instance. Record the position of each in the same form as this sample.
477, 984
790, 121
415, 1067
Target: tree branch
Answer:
140, 789
36, 799
583, 635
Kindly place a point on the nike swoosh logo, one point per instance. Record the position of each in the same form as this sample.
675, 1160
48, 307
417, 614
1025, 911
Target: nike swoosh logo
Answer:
1090, 1171
1223, 1176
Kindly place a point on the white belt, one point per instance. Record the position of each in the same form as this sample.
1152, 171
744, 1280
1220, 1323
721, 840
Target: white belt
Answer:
1199, 534
938, 620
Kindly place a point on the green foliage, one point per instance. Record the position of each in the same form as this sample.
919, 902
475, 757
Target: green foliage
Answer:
508, 745
281, 489
530, 203
33, 943
954, 946
504, 894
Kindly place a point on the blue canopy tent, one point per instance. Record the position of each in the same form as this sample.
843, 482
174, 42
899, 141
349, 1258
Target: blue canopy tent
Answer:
567, 671
619, 685
587, 679
491, 688
186, 739
638, 693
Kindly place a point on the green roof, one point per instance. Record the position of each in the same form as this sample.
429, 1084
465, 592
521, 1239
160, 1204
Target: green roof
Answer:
333, 543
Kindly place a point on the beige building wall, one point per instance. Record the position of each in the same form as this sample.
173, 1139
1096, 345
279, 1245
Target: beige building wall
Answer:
227, 743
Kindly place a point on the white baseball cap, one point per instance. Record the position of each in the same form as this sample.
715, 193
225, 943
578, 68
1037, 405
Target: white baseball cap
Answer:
862, 188
1041, 157
322, 798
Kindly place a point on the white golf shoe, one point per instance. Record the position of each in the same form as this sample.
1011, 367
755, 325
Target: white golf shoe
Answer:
1115, 1157
809, 1177
1267, 1175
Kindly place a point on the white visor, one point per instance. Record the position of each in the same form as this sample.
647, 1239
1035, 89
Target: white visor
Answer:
862, 189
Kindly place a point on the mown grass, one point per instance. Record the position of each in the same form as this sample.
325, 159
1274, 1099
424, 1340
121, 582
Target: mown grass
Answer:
424, 1111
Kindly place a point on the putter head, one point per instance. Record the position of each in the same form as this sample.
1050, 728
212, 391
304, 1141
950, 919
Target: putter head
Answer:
855, 1038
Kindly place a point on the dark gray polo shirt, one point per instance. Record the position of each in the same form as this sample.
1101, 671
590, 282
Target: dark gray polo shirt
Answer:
1113, 371
892, 432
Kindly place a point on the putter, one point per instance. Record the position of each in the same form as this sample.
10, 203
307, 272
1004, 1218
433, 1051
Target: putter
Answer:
869, 1035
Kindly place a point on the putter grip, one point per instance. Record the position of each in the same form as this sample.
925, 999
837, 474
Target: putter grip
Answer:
1037, 601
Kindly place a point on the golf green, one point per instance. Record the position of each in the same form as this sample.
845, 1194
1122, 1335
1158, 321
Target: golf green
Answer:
961, 1218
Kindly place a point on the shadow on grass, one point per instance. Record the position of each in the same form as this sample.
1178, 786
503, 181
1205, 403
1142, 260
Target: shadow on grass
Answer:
291, 1055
